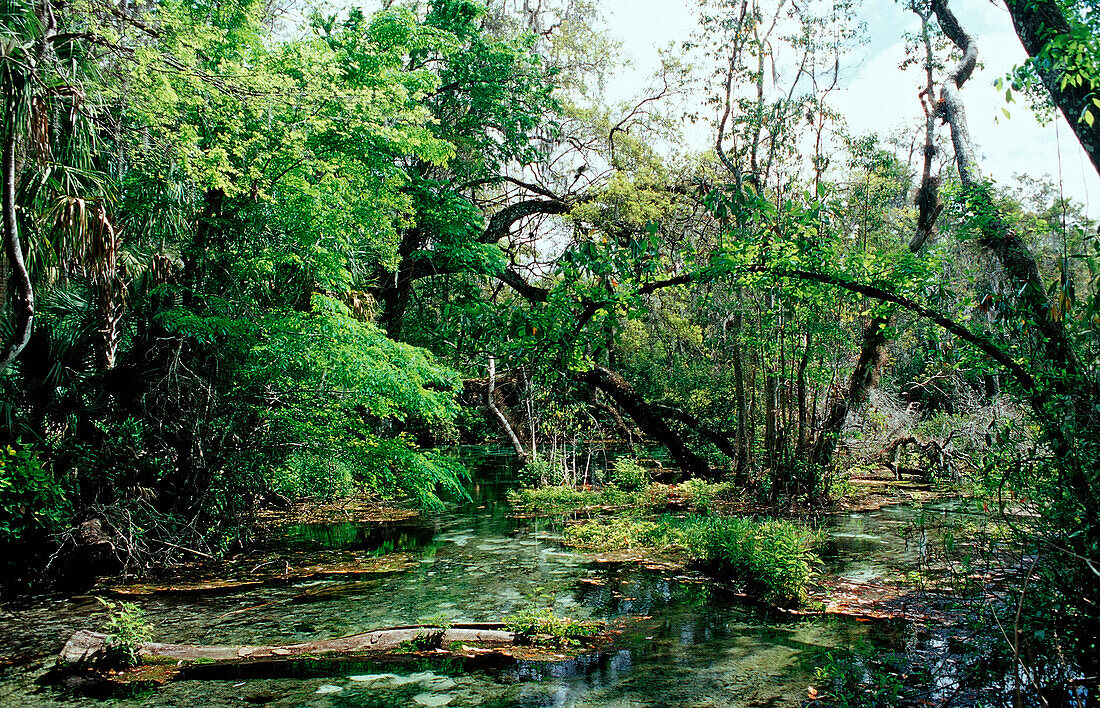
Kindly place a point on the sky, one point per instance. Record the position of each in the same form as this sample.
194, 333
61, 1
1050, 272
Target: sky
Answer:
876, 96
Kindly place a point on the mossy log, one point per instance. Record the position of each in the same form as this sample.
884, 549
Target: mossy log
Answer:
88, 648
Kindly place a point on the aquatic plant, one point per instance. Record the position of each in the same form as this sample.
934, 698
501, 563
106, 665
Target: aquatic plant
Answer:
702, 495
534, 623
863, 677
126, 629
566, 498
621, 533
772, 558
628, 475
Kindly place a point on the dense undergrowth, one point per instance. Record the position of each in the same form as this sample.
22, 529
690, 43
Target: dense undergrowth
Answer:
773, 559
211, 304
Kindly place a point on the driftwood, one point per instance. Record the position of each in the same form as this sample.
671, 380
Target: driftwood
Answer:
940, 458
87, 648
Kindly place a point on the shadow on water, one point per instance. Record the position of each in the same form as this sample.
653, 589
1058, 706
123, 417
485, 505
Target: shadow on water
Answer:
682, 639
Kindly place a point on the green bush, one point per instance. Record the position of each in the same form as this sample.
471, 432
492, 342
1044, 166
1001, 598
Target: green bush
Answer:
321, 476
553, 499
702, 494
619, 534
126, 629
628, 475
557, 500
532, 623
32, 504
773, 558
540, 471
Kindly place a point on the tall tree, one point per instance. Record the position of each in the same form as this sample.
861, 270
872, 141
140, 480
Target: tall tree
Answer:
1060, 37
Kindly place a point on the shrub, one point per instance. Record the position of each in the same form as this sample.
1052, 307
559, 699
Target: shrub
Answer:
126, 629
32, 504
628, 475
773, 558
553, 498
531, 623
702, 494
540, 471
620, 534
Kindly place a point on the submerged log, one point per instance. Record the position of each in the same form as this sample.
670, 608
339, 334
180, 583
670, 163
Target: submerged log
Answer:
88, 648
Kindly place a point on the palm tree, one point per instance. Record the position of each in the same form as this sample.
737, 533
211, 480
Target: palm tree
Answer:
54, 201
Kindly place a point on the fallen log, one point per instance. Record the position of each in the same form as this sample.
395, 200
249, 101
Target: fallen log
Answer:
88, 648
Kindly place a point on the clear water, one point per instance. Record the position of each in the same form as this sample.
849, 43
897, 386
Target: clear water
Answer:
685, 640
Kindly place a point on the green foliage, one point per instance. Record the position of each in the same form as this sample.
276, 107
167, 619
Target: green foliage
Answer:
628, 475
537, 624
540, 471
703, 496
555, 498
772, 558
32, 503
126, 629
619, 534
1068, 58
351, 405
864, 677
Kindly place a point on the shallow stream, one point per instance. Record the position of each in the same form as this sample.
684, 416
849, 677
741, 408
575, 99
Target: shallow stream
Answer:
686, 641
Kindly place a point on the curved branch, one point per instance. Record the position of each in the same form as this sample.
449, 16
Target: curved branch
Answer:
987, 347
500, 224
531, 292
950, 103
651, 422
721, 440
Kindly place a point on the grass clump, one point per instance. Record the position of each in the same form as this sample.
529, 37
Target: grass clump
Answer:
629, 486
552, 498
773, 558
703, 496
535, 623
628, 475
618, 534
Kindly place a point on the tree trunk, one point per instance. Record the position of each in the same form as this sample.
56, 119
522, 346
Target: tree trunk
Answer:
194, 262
997, 236
873, 355
647, 418
23, 301
803, 408
86, 647
1037, 23
1063, 398
744, 450
499, 414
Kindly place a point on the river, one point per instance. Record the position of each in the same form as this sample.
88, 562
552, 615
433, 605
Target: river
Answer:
686, 640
